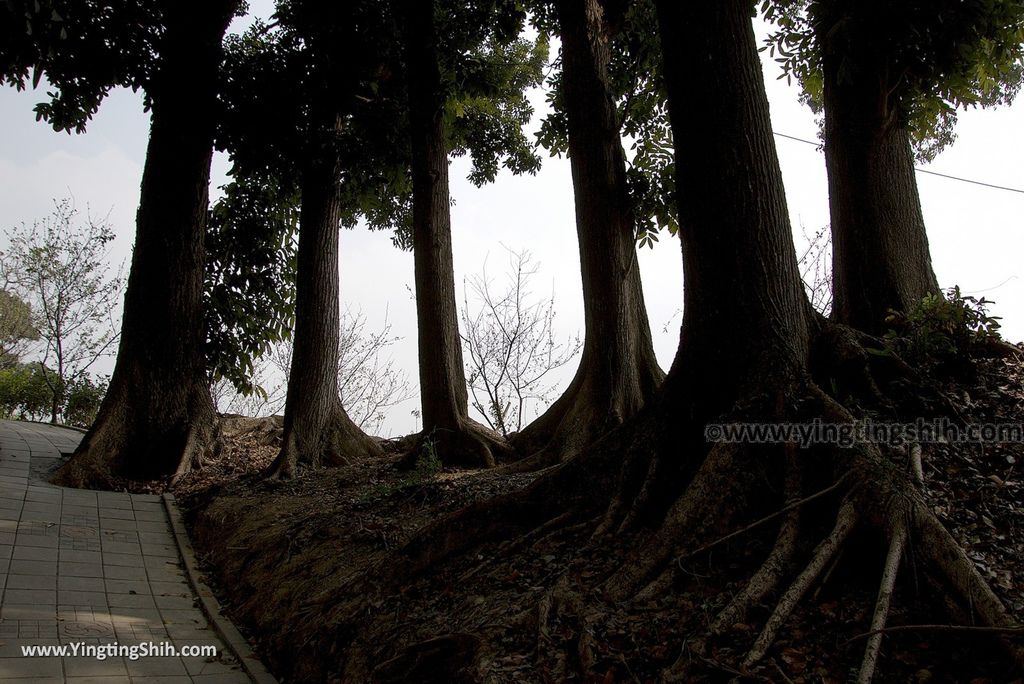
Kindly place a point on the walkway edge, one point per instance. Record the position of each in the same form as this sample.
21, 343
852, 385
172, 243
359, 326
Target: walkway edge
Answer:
228, 633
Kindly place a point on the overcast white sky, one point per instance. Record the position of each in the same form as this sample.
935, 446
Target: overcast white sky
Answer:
975, 232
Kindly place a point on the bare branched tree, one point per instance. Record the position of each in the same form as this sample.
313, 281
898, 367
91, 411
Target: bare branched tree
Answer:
510, 344
60, 267
816, 269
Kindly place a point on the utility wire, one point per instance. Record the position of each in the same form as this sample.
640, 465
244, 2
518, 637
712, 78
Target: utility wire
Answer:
920, 170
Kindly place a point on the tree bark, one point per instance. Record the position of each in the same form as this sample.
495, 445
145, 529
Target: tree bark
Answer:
158, 418
317, 430
618, 371
881, 259
443, 392
744, 310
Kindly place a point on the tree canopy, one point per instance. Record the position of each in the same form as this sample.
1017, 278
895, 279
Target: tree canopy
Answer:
933, 57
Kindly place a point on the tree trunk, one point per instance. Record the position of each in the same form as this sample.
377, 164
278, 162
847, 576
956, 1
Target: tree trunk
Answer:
158, 418
618, 371
744, 309
880, 250
317, 431
443, 392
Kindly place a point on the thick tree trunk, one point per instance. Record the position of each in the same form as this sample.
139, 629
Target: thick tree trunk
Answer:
744, 310
618, 371
880, 250
157, 418
317, 431
443, 392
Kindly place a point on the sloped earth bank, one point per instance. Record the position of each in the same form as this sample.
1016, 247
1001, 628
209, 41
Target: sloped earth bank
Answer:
291, 559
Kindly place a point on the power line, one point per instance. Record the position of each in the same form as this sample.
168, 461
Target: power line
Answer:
920, 170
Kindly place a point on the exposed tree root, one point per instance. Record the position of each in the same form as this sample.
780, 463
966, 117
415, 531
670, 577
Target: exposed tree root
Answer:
125, 443
845, 522
469, 445
771, 571
338, 442
711, 506
595, 403
881, 614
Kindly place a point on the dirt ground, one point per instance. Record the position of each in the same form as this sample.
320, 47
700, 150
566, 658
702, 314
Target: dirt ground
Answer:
296, 564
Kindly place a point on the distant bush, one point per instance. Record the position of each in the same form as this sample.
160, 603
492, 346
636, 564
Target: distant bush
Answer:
24, 392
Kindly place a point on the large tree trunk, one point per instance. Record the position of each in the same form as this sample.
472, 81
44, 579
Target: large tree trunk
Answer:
443, 392
158, 418
744, 309
881, 259
317, 431
618, 371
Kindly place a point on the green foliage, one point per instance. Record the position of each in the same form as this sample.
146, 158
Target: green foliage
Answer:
942, 329
83, 400
16, 328
635, 78
250, 277
83, 48
428, 463
25, 391
933, 57
486, 115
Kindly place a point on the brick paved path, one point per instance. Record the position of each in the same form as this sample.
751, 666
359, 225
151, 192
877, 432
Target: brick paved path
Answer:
90, 567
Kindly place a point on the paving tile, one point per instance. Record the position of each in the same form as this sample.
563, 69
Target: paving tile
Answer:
174, 602
124, 572
130, 601
27, 567
31, 597
28, 612
81, 569
92, 667
191, 616
118, 524
34, 553
163, 538
120, 547
159, 550
116, 513
94, 567
80, 584
12, 668
132, 614
81, 598
129, 559
200, 665
115, 586
73, 556
47, 582
11, 648
153, 526
156, 666
79, 509
170, 588
110, 500
46, 542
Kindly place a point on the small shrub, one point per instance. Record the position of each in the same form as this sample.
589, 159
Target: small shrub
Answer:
942, 329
